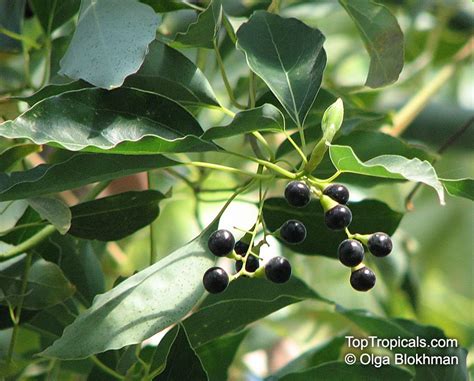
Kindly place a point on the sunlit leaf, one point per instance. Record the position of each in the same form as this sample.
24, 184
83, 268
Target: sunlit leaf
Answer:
460, 187
53, 210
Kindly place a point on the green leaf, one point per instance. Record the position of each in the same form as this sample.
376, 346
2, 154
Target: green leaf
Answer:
332, 119
244, 8
168, 72
121, 121
327, 351
218, 355
11, 16
158, 355
46, 286
393, 328
203, 32
53, 210
78, 261
336, 371
387, 166
245, 301
182, 362
130, 312
53, 13
166, 6
11, 155
52, 90
369, 216
288, 56
79, 170
10, 213
263, 118
382, 38
110, 41
115, 217
459, 187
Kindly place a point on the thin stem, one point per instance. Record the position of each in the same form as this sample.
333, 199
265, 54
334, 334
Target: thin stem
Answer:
296, 147
153, 245
302, 137
252, 90
228, 87
19, 37
225, 169
265, 144
418, 102
29, 243
105, 368
96, 190
267, 164
23, 226
229, 29
47, 64
17, 317
449, 142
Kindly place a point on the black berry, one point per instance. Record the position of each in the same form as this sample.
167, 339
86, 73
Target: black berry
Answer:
338, 217
221, 242
278, 270
380, 244
293, 231
363, 279
297, 194
241, 248
252, 264
351, 252
215, 280
337, 192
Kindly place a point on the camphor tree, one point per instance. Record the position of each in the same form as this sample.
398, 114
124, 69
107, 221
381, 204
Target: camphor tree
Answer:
128, 127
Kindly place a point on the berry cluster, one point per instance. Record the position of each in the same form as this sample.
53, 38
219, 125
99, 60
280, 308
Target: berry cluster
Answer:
337, 216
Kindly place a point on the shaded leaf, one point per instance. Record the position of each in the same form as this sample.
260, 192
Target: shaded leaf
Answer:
263, 118
53, 13
115, 217
288, 56
218, 355
387, 166
130, 312
368, 216
10, 213
203, 32
459, 187
121, 121
244, 8
166, 6
382, 38
168, 72
245, 301
11, 155
46, 286
157, 356
53, 210
338, 370
81, 169
328, 351
11, 16
182, 362
110, 41
52, 90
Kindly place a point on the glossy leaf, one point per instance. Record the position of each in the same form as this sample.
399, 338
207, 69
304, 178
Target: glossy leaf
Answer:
130, 312
78, 261
115, 217
53, 13
10, 213
218, 355
368, 216
382, 38
53, 210
288, 56
11, 155
11, 16
46, 286
110, 41
264, 118
166, 6
203, 32
52, 90
168, 72
121, 121
79, 170
327, 351
460, 187
244, 301
244, 8
338, 370
387, 166
182, 362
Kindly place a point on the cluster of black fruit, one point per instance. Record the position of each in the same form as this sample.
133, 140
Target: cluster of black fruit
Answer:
338, 216
222, 243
